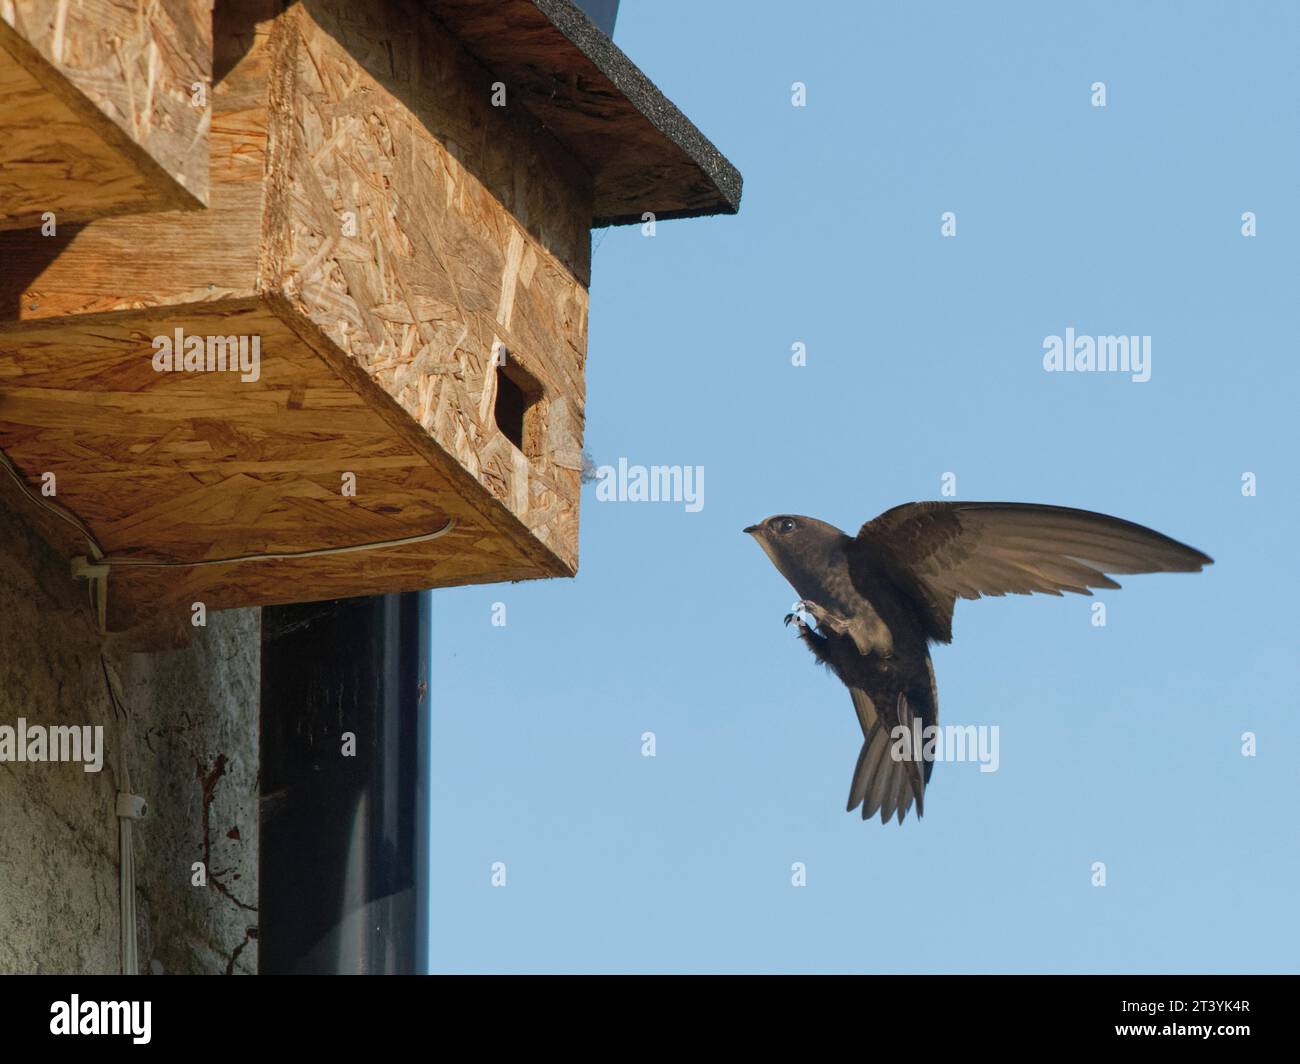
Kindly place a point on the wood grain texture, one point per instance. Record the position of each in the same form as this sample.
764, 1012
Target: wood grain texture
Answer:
97, 107
173, 257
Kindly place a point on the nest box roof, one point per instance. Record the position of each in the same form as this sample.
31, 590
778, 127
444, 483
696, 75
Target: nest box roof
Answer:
643, 153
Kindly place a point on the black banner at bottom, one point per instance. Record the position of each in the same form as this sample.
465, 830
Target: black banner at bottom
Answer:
338, 1014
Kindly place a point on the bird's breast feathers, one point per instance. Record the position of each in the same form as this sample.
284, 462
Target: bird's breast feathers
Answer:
849, 612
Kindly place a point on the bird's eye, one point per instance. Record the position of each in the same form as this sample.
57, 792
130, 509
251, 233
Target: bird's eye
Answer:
786, 524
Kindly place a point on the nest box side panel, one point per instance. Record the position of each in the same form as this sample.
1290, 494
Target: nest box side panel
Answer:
442, 245
172, 257
103, 108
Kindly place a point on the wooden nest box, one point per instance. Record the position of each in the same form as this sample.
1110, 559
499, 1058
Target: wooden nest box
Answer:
355, 312
102, 108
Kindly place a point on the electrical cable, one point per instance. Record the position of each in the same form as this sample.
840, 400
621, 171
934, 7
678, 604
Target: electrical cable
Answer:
129, 808
96, 570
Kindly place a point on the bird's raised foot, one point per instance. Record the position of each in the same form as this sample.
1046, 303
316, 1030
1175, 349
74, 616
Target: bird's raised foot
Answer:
803, 607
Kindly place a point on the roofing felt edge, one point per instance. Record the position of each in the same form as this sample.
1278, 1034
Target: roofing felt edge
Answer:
657, 109
571, 30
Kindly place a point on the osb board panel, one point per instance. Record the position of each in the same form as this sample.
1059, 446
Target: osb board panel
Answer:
428, 71
52, 160
170, 257
85, 83
195, 466
425, 228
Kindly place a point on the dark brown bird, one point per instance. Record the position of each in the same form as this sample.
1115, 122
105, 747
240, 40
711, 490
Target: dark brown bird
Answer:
881, 598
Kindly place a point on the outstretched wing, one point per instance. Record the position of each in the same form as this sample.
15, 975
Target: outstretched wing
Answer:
942, 551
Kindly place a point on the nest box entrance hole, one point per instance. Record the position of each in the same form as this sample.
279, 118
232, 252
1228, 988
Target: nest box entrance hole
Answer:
518, 407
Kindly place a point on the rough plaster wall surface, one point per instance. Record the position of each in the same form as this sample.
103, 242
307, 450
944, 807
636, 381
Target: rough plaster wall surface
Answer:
192, 755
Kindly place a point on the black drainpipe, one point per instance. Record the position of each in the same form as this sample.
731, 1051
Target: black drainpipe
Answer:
343, 851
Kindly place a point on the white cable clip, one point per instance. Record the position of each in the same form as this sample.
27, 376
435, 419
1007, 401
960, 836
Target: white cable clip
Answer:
84, 569
131, 806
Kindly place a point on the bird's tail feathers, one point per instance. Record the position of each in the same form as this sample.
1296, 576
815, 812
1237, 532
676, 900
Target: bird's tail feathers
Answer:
884, 780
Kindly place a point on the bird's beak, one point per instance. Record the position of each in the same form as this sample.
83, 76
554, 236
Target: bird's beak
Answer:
752, 529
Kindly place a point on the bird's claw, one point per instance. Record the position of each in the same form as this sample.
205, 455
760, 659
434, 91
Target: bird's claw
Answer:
801, 607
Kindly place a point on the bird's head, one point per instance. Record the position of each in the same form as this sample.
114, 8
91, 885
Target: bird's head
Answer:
800, 547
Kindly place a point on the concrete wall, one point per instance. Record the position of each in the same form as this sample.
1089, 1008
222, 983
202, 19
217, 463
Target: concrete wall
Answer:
192, 754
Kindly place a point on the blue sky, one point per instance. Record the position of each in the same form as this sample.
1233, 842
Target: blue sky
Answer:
1118, 744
